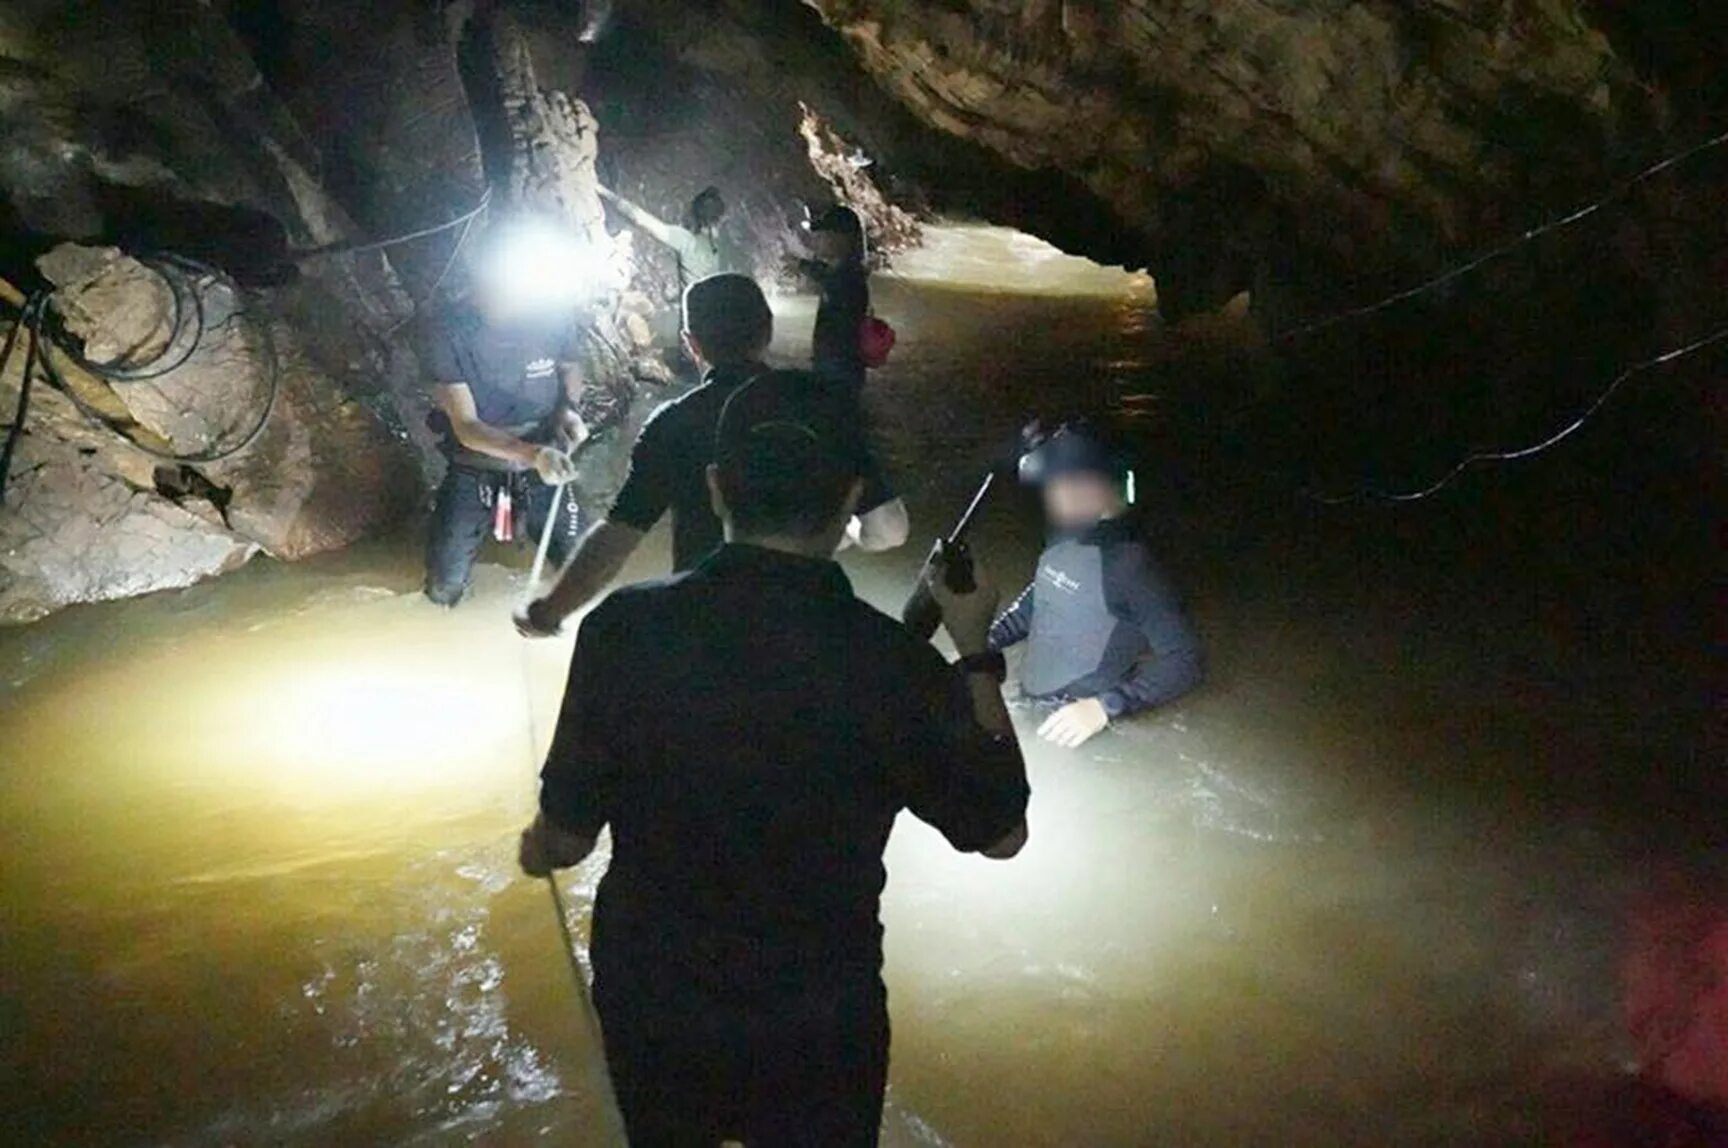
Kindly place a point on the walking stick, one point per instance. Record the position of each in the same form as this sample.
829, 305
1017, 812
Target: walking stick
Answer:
601, 1083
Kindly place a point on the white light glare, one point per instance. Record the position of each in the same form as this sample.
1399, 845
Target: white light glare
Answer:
538, 265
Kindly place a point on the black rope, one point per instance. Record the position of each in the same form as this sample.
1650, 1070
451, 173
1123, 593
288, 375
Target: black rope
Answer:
44, 333
21, 328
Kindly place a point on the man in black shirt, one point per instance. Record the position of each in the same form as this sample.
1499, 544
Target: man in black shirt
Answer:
840, 274
727, 330
750, 730
505, 382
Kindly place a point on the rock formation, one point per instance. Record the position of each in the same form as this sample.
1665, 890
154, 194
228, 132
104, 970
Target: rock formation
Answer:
1313, 151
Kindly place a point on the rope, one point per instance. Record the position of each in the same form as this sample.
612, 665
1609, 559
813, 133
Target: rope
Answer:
1569, 219
438, 283
1372, 494
172, 269
330, 249
42, 334
602, 1078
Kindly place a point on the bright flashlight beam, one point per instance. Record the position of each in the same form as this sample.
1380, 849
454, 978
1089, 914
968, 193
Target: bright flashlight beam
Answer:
534, 265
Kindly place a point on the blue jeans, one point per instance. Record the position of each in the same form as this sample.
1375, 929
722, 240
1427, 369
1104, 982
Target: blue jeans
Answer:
462, 518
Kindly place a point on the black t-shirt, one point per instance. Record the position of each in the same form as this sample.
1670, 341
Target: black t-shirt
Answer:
750, 730
511, 369
845, 301
668, 469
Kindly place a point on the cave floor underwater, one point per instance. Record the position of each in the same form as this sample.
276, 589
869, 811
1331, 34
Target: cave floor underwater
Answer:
1363, 888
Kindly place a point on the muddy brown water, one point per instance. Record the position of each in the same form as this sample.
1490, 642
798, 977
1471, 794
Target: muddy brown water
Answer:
1361, 889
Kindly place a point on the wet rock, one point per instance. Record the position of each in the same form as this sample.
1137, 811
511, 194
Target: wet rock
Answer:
1373, 133
76, 528
91, 516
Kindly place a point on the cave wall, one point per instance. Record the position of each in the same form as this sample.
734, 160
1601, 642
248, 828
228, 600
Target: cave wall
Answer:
146, 127
1370, 135
1316, 151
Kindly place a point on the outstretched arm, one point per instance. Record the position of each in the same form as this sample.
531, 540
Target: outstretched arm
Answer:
657, 229
599, 558
965, 773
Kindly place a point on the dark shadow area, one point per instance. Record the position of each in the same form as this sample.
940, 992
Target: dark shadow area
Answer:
250, 245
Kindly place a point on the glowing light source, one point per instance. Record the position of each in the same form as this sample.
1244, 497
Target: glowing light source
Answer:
534, 264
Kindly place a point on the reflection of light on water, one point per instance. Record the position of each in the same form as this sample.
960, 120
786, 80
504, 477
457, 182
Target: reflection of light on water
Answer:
1000, 259
376, 724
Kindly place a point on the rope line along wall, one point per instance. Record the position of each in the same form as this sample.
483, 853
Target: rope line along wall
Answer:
1569, 219
396, 240
1509, 246
1374, 494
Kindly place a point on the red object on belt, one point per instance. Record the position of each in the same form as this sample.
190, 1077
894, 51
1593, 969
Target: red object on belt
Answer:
503, 514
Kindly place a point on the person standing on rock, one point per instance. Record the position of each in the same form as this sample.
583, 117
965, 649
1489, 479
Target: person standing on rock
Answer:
727, 329
505, 383
839, 272
696, 245
750, 730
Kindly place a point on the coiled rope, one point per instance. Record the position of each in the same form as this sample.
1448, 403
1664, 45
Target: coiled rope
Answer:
42, 334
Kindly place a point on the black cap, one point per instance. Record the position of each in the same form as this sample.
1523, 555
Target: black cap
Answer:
836, 218
788, 423
1074, 448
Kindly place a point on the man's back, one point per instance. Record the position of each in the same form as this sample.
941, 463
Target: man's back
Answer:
668, 465
758, 729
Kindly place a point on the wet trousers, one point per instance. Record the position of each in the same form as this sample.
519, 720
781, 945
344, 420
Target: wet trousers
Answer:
801, 1071
462, 518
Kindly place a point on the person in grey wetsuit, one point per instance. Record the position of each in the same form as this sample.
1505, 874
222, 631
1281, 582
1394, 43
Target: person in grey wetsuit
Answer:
1106, 634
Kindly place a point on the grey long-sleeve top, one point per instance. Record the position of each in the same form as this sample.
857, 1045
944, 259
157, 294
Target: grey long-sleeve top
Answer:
1101, 620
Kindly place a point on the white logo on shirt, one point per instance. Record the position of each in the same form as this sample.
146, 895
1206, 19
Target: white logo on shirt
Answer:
540, 368
1060, 580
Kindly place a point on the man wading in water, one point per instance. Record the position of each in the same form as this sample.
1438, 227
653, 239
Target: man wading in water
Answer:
839, 272
727, 328
505, 382
1106, 636
749, 731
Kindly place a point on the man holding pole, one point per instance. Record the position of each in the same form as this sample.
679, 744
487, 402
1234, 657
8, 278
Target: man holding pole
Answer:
749, 731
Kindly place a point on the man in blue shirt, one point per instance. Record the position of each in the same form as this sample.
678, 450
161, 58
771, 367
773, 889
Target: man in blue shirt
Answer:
505, 383
1106, 634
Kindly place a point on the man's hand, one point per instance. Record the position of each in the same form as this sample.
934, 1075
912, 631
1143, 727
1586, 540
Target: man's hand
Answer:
545, 847
553, 466
575, 430
535, 620
1075, 724
967, 617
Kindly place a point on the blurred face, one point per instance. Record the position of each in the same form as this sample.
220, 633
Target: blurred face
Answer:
1080, 499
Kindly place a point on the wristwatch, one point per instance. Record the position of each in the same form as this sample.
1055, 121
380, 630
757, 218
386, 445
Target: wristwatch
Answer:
989, 662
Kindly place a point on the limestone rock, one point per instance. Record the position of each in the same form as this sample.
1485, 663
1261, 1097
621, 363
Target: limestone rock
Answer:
89, 516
